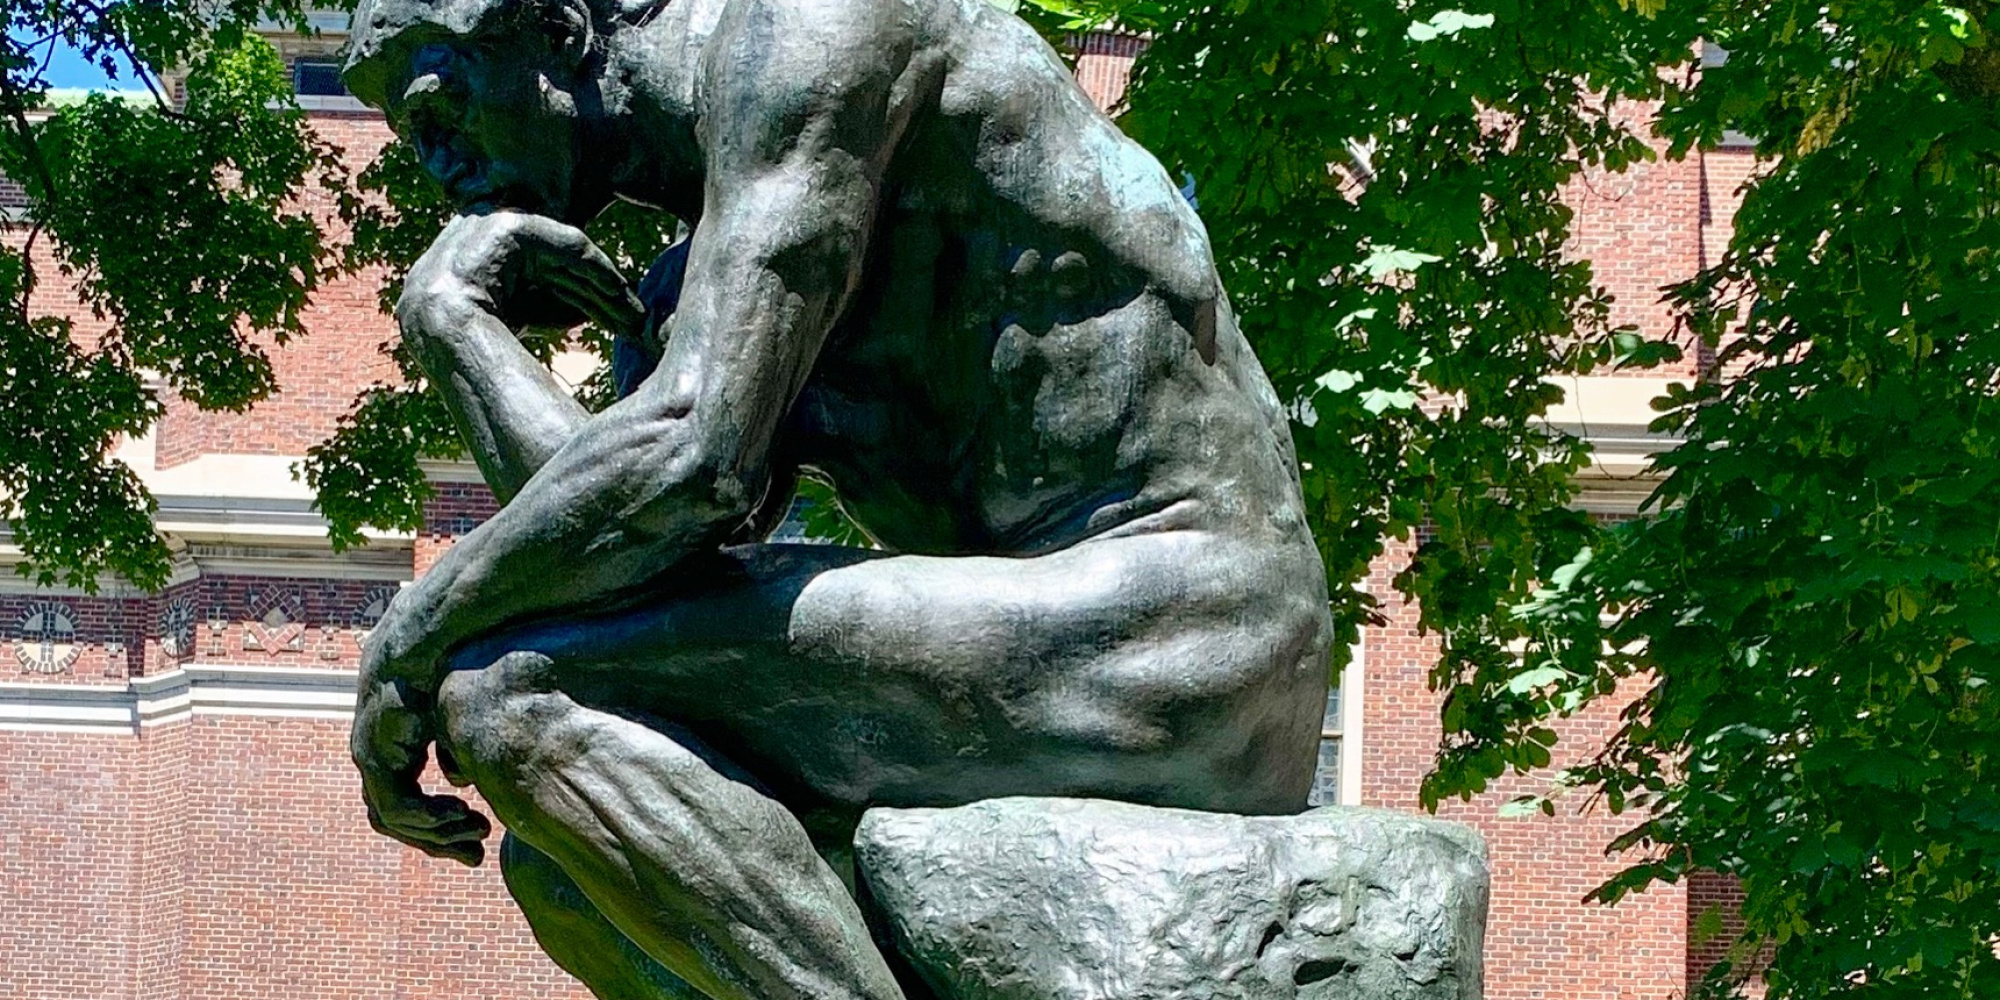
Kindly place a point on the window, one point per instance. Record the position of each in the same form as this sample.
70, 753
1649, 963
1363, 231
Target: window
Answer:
1337, 779
13, 197
317, 78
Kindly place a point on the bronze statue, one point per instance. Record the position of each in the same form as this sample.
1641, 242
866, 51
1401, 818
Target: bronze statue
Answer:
922, 265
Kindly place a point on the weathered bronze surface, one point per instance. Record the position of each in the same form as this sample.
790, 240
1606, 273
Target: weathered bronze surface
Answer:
1335, 904
924, 266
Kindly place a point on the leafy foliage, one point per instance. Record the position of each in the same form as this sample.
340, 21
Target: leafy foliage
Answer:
1812, 610
177, 225
1817, 597
368, 473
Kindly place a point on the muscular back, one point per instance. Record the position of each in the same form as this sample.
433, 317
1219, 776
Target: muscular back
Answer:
1039, 351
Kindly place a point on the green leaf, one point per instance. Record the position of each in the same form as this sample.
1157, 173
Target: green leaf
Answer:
1383, 261
1707, 926
1378, 400
1447, 23
1338, 381
1534, 678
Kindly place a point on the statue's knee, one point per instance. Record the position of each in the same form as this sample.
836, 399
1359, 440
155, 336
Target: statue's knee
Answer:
482, 709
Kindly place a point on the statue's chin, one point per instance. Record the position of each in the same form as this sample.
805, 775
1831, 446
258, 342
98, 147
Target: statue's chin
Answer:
562, 203
481, 200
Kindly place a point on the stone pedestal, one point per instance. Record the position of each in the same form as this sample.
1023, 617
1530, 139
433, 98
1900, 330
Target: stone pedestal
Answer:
1072, 899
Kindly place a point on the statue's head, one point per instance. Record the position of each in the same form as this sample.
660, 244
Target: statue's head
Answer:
498, 96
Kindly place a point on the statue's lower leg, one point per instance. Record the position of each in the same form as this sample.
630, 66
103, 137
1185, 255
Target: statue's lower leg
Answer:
707, 875
578, 936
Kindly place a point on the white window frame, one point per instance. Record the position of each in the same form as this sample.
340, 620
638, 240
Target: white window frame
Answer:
1351, 688
1346, 730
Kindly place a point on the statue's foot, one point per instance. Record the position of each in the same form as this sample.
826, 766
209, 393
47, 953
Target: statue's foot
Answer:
1074, 899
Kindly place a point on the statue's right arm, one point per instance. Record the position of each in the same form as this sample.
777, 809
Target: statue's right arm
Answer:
510, 410
796, 161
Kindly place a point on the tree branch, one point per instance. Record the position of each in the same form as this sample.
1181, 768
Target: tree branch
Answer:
17, 109
139, 69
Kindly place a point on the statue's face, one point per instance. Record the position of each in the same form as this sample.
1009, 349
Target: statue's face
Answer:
496, 121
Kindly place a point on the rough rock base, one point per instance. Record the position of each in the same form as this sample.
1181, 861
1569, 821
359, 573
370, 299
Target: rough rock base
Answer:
1072, 899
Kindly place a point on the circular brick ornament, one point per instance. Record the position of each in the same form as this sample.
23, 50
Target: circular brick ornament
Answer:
47, 642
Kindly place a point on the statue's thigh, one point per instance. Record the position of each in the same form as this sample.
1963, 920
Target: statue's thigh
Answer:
1107, 667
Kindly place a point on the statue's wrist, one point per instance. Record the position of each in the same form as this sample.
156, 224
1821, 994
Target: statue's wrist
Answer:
402, 661
416, 670
409, 679
442, 312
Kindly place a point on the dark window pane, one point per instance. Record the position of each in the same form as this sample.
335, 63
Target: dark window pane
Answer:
317, 79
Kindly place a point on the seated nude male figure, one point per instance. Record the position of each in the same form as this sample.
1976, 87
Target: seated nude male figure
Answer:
923, 266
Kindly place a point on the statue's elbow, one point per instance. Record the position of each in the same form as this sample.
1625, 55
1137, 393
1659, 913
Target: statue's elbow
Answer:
699, 493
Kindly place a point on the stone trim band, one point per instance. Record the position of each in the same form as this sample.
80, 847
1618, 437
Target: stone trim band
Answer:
175, 696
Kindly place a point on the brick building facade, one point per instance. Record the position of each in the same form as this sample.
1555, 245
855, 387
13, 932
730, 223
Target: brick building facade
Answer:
181, 821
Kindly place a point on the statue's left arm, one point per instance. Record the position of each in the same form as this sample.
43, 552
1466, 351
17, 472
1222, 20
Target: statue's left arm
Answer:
803, 116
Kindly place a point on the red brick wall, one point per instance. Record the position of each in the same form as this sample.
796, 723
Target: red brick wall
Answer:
1721, 895
322, 627
116, 637
1103, 63
160, 887
317, 374
1723, 175
317, 377
452, 510
226, 857
105, 646
289, 894
67, 923
1641, 229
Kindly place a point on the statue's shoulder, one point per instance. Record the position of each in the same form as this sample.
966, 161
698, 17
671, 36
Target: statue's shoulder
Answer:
785, 47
